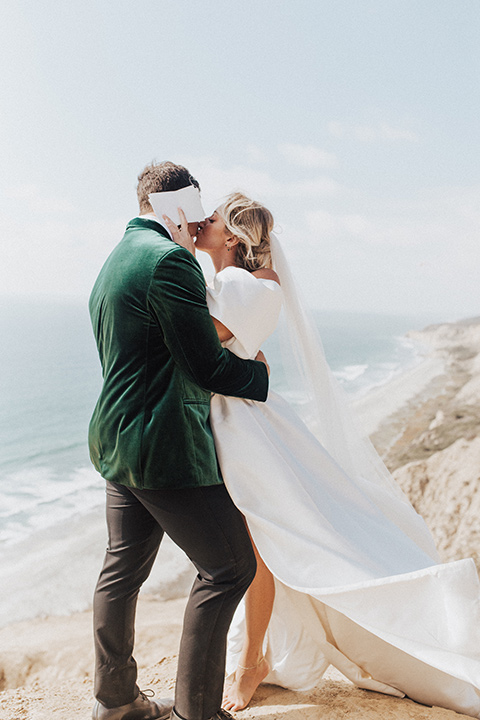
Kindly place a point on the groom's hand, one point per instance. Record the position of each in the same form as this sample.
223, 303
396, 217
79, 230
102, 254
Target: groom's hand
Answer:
261, 357
180, 234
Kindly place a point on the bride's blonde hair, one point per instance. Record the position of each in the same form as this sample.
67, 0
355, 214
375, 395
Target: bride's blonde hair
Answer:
251, 223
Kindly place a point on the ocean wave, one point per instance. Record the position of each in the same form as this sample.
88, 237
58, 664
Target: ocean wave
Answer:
350, 372
406, 342
32, 499
36, 455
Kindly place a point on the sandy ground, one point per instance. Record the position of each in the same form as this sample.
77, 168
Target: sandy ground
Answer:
426, 424
53, 674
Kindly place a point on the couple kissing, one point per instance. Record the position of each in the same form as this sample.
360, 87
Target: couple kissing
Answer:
302, 521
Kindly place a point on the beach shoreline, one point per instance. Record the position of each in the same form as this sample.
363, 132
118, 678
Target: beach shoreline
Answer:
375, 409
426, 424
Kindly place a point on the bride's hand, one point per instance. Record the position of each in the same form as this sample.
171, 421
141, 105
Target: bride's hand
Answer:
261, 357
181, 235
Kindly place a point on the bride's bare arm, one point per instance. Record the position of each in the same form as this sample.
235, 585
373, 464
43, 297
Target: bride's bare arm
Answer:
225, 334
222, 331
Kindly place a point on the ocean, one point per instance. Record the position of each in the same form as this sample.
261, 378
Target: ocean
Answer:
52, 533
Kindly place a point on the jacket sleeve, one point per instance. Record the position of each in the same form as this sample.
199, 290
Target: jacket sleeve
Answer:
177, 299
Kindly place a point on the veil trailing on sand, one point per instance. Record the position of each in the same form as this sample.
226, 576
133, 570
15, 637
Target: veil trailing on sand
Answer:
328, 412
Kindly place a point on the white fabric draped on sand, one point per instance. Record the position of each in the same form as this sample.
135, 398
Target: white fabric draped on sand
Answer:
358, 584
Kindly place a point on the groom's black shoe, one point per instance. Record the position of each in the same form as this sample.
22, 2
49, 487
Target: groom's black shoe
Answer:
140, 709
220, 715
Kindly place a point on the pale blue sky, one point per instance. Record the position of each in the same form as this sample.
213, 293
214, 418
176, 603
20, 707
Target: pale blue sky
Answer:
355, 121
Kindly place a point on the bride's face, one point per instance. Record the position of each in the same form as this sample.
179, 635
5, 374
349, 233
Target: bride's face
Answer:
213, 235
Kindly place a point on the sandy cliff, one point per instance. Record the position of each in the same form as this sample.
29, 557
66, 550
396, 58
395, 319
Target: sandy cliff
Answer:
436, 455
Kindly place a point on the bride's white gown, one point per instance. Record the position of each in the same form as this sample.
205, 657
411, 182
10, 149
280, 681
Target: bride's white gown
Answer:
358, 580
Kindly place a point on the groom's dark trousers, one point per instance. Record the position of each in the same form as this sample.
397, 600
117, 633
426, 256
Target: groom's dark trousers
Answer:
150, 438
205, 523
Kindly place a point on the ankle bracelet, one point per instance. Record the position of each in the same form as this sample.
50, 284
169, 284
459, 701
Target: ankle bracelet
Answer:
252, 667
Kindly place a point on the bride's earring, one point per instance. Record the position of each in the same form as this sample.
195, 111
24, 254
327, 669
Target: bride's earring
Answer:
228, 249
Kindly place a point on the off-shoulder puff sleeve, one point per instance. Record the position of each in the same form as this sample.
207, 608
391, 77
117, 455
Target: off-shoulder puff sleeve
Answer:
248, 306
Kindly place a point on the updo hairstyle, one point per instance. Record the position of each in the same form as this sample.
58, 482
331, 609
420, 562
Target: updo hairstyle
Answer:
251, 223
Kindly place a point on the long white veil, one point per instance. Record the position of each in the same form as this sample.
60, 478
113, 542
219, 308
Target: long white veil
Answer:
329, 414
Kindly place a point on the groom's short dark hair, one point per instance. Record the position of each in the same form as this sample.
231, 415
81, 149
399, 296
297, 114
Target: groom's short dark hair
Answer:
162, 177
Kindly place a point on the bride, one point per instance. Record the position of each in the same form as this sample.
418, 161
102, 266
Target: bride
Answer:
348, 574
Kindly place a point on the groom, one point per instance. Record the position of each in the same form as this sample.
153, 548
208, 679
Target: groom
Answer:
151, 440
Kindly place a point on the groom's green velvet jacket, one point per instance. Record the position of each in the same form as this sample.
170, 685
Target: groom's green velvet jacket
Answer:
161, 359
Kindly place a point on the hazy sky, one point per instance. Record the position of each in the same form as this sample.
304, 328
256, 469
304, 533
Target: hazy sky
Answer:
355, 121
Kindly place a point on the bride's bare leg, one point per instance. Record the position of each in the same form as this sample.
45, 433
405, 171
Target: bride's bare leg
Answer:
252, 667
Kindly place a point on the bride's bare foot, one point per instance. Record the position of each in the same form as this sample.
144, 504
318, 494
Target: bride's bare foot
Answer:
240, 685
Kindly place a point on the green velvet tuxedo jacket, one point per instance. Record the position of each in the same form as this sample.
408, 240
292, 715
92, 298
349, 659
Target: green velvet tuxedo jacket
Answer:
161, 360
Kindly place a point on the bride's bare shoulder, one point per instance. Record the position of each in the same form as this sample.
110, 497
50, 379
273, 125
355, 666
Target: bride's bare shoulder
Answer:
266, 274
